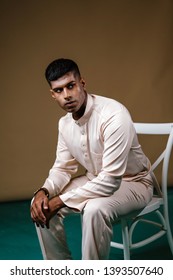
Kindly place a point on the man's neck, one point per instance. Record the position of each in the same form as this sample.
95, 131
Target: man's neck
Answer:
77, 115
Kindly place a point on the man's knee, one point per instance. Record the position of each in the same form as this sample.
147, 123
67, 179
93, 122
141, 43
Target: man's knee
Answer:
95, 209
92, 208
102, 208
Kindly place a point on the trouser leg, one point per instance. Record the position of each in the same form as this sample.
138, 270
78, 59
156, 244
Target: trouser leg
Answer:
53, 240
99, 214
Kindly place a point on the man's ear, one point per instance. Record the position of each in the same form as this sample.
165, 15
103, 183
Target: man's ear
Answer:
52, 93
83, 82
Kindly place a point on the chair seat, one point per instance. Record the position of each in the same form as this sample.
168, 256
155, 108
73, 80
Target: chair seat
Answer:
153, 205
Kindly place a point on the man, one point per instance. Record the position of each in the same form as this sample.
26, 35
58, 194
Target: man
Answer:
98, 133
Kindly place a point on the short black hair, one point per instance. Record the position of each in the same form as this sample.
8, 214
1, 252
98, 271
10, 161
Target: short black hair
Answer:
59, 68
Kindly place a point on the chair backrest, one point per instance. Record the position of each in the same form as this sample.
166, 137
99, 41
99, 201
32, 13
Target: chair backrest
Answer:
164, 157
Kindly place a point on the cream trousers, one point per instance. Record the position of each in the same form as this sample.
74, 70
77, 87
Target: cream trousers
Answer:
97, 218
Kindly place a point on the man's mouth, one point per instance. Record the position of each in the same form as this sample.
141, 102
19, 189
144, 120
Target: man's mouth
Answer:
69, 104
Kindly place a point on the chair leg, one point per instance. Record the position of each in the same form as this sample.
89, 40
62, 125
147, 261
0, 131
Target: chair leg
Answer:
125, 237
41, 243
169, 237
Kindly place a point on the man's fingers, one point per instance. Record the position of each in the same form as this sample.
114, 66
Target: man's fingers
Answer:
37, 214
38, 224
47, 224
45, 203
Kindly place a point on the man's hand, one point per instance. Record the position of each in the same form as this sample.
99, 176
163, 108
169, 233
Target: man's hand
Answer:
39, 205
55, 204
42, 209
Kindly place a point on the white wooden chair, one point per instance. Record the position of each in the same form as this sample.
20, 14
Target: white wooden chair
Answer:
158, 204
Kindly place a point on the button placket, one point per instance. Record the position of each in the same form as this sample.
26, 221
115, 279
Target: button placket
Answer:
84, 140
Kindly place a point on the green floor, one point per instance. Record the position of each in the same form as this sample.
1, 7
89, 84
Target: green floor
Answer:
18, 240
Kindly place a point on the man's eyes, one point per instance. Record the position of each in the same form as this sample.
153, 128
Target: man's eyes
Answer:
59, 90
70, 86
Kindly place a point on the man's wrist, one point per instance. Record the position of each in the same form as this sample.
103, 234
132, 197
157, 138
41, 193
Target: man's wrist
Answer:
56, 203
42, 189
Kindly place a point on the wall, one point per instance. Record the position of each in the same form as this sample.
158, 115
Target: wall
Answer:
124, 50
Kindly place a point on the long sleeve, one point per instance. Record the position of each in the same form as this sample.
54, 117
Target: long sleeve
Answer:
64, 166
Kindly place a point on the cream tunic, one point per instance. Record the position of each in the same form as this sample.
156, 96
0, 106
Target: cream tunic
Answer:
105, 143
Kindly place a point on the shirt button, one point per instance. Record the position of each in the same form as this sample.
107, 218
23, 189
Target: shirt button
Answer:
77, 123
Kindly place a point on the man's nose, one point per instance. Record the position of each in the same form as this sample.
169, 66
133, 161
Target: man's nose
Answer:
66, 94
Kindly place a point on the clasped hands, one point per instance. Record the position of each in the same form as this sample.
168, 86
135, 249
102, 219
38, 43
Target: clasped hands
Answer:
43, 209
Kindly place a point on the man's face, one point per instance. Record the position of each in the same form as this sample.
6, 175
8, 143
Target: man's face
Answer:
69, 92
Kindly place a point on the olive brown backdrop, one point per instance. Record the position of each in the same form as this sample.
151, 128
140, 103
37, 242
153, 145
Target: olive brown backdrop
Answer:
124, 50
